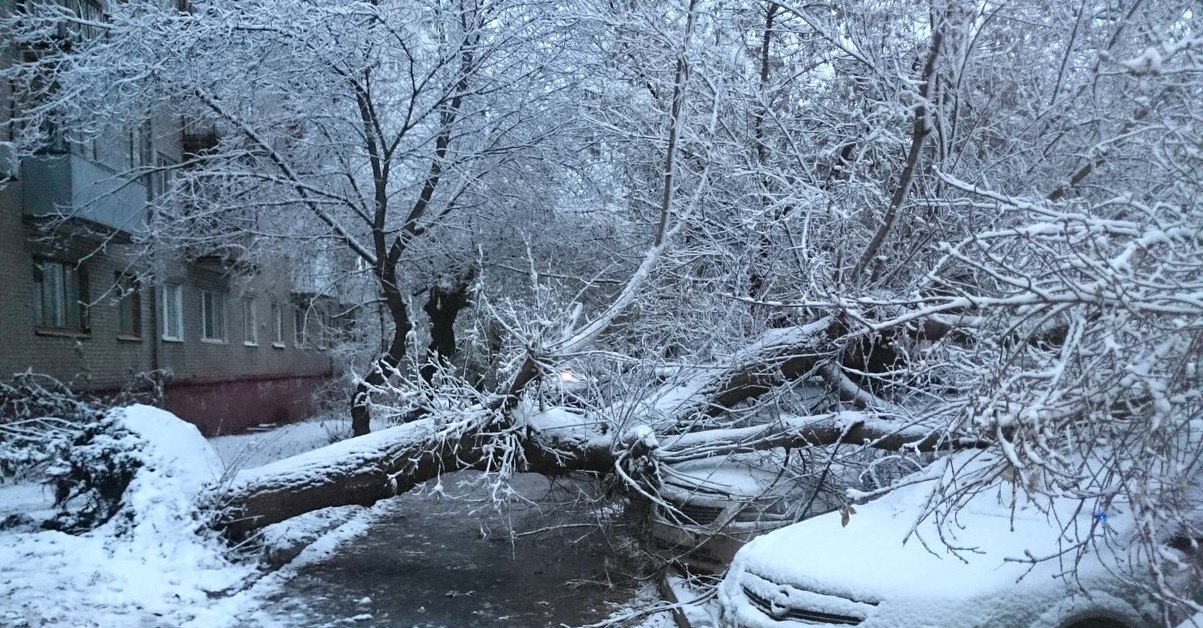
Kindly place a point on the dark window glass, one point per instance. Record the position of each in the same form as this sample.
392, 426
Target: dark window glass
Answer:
59, 295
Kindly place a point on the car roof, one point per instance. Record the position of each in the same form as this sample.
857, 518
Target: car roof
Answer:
744, 475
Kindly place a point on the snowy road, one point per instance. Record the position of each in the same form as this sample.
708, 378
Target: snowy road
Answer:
424, 563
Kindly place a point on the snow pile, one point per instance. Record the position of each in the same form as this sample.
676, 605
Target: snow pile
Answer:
282, 542
1193, 622
152, 564
178, 464
260, 447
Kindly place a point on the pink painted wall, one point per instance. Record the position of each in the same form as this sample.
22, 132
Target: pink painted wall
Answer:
228, 407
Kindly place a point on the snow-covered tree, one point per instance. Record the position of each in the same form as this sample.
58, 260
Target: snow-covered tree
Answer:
362, 128
976, 225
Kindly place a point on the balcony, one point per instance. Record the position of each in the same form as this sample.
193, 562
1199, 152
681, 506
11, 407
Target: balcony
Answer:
196, 140
70, 186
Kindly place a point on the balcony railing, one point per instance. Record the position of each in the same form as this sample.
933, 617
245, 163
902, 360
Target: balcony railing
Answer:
196, 141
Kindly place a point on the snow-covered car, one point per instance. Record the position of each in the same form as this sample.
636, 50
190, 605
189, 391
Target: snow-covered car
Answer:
887, 565
710, 508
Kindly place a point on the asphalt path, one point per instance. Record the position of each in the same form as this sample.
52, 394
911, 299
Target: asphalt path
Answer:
450, 561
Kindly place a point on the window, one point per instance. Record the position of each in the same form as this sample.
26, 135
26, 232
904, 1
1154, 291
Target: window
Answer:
60, 294
129, 306
326, 333
171, 311
89, 11
140, 149
298, 326
213, 316
277, 325
159, 180
250, 330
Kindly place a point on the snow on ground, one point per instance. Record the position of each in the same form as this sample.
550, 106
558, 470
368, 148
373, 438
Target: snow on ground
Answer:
645, 610
245, 608
1193, 622
259, 447
153, 564
33, 500
146, 566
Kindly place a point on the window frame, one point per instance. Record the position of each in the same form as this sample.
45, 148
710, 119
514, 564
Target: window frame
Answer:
76, 271
128, 293
159, 179
277, 325
299, 336
173, 292
216, 301
324, 337
250, 323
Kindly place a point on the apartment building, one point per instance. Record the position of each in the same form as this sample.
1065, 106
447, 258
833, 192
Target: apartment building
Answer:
80, 299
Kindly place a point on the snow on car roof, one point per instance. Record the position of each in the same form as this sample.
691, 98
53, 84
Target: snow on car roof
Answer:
745, 475
979, 549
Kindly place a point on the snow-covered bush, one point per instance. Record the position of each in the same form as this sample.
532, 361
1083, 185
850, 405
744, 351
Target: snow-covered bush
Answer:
91, 472
86, 455
155, 561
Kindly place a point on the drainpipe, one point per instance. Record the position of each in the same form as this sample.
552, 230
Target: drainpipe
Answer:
155, 336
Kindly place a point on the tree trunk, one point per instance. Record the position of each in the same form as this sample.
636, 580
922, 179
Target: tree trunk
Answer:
389, 462
443, 307
376, 466
386, 365
361, 402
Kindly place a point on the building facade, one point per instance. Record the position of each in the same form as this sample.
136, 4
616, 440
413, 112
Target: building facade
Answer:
236, 348
82, 301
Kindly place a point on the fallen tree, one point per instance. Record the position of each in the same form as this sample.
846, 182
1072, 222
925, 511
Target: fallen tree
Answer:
367, 469
494, 436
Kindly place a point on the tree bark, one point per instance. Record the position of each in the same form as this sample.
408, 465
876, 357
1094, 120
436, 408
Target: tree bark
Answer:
387, 463
443, 306
919, 132
384, 464
780, 356
388, 257
372, 467
386, 365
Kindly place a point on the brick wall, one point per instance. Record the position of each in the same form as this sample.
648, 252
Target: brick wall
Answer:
222, 386
225, 385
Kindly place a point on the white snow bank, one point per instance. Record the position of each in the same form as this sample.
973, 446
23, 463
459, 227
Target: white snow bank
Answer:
283, 541
32, 500
1193, 622
257, 448
178, 458
151, 565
